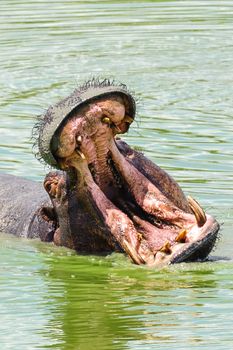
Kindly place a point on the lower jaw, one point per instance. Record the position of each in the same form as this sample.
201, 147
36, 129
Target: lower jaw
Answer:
200, 243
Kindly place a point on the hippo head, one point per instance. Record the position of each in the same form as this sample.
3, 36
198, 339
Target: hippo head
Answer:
109, 197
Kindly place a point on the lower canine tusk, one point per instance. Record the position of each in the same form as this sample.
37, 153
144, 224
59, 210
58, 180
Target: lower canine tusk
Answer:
197, 211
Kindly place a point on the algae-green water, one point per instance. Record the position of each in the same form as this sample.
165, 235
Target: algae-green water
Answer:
177, 57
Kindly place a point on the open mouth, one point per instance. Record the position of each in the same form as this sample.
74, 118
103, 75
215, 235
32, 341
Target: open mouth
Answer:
117, 198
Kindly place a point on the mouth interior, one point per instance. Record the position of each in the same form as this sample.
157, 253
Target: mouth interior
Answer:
148, 224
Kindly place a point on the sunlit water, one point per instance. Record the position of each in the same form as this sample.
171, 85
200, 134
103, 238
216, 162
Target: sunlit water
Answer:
177, 57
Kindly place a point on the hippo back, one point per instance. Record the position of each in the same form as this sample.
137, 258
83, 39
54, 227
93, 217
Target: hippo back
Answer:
20, 202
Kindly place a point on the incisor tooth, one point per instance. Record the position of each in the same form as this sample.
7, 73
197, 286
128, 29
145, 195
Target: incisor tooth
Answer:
197, 211
106, 120
117, 129
81, 154
79, 138
128, 119
181, 236
166, 248
139, 236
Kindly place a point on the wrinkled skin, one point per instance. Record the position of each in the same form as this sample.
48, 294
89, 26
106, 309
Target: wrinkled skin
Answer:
112, 198
25, 209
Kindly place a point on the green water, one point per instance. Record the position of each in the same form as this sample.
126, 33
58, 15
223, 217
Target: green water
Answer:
177, 57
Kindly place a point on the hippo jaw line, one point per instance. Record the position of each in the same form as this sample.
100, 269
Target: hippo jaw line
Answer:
133, 213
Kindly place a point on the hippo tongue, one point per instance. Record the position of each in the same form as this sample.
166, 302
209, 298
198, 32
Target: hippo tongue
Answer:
147, 195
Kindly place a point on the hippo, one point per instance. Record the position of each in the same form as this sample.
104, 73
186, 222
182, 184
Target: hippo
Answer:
102, 196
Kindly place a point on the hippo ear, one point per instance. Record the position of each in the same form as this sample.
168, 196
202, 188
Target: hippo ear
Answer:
48, 214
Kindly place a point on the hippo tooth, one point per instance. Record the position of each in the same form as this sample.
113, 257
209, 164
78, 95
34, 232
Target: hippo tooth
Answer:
197, 211
181, 236
79, 138
81, 154
140, 236
166, 248
128, 119
106, 120
117, 129
132, 253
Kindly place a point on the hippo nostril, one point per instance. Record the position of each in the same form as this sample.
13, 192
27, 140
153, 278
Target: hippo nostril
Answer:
197, 211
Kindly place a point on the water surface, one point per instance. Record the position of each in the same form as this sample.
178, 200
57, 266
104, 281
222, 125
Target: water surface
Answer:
177, 58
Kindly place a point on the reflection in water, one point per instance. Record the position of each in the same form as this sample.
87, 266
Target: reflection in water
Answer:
89, 312
109, 304
60, 300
